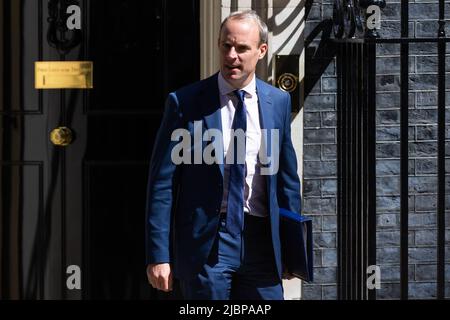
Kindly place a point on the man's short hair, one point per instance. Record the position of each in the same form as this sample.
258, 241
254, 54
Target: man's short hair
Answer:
249, 15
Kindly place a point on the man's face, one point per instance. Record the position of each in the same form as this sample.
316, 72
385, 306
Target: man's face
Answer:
240, 51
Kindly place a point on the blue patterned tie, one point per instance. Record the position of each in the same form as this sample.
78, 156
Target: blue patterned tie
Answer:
235, 209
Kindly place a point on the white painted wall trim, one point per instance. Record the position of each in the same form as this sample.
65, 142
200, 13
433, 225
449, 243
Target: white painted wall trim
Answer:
210, 20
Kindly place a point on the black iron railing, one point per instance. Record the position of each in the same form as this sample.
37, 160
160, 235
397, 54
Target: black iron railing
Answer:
356, 107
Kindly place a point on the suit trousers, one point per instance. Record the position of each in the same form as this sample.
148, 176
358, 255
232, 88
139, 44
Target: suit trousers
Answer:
238, 268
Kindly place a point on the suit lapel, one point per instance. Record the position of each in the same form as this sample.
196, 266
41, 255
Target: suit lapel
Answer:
211, 109
265, 107
266, 116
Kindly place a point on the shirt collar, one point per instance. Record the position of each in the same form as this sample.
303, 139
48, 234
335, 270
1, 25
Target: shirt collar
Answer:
225, 88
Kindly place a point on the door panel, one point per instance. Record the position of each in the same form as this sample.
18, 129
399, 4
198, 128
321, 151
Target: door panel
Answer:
134, 46
127, 45
117, 263
83, 204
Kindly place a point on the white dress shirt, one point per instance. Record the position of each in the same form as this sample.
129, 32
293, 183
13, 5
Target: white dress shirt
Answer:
255, 194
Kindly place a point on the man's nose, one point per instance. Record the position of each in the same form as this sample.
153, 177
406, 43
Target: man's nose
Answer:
232, 54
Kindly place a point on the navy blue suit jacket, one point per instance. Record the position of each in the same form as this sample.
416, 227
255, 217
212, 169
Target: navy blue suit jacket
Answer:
183, 201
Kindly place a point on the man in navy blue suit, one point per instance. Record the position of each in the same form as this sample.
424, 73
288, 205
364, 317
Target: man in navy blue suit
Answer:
214, 225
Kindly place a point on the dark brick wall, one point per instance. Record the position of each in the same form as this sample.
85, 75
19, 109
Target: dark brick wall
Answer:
319, 180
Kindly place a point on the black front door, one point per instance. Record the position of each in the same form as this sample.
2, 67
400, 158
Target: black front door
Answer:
82, 205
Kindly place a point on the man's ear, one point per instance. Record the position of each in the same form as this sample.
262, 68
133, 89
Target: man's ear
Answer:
262, 50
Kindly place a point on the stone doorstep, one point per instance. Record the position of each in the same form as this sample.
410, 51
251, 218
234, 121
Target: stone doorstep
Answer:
292, 289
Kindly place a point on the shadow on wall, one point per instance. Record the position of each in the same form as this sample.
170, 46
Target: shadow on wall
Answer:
319, 52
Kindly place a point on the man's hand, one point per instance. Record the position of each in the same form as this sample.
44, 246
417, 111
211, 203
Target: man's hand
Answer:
160, 276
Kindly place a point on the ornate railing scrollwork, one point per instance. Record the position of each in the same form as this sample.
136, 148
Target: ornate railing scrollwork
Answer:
58, 35
349, 18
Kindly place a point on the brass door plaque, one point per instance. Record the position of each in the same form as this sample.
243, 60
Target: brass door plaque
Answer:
63, 74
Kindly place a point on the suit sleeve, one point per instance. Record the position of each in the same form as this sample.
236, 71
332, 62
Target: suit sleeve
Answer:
160, 189
288, 182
